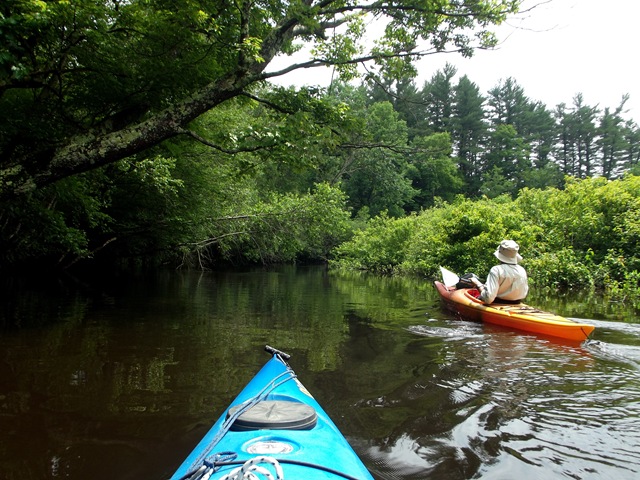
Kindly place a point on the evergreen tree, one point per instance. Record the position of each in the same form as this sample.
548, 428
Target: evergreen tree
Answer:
469, 131
540, 132
507, 155
577, 149
509, 152
564, 150
438, 98
612, 142
508, 105
410, 104
585, 133
632, 155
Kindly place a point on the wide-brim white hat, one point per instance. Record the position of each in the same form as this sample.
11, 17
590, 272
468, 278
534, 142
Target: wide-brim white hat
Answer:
507, 252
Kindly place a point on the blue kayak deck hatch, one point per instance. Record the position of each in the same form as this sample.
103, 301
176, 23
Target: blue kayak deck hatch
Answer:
275, 415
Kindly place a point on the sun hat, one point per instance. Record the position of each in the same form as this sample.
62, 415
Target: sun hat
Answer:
507, 252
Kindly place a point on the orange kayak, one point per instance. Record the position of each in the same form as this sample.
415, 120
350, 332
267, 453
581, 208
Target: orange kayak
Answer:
519, 316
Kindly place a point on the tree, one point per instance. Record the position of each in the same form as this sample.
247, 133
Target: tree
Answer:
507, 156
408, 101
438, 97
469, 132
85, 84
578, 138
564, 155
508, 104
377, 179
611, 141
632, 155
540, 131
433, 171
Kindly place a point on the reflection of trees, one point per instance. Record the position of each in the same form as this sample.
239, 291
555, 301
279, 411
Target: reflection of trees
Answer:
147, 364
453, 403
589, 304
176, 333
388, 302
154, 350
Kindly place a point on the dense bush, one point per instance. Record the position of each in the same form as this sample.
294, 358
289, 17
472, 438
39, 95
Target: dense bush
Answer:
281, 228
380, 247
584, 236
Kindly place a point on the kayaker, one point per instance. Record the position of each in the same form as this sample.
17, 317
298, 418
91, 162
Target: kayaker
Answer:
508, 280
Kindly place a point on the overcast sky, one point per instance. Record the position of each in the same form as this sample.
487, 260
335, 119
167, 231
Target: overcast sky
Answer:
559, 49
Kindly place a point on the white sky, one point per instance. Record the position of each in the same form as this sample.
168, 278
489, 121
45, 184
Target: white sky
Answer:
561, 48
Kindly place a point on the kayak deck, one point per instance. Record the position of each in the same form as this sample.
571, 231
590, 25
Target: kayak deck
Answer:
274, 423
518, 316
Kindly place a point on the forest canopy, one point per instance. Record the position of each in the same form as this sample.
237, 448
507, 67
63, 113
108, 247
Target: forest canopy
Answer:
84, 84
148, 133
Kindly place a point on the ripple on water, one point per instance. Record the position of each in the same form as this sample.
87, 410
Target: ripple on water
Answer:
584, 422
461, 332
627, 354
534, 409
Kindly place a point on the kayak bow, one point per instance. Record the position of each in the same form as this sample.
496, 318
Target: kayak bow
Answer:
273, 425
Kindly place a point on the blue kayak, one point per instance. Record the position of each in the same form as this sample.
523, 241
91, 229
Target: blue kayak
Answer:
274, 429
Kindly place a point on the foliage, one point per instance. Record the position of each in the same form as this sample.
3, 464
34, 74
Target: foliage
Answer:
468, 131
85, 84
281, 228
505, 141
460, 236
378, 176
432, 170
464, 234
55, 226
584, 236
144, 131
378, 248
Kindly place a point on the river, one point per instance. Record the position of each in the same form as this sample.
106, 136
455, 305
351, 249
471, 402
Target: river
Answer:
119, 377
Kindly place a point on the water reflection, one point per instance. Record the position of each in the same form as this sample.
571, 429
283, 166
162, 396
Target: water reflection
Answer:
119, 379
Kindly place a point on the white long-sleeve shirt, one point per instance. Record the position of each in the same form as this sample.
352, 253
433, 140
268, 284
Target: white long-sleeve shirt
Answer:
507, 282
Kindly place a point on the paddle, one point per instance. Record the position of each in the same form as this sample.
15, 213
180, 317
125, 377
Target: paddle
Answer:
449, 278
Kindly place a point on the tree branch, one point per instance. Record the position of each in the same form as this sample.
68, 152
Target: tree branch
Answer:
60, 157
228, 151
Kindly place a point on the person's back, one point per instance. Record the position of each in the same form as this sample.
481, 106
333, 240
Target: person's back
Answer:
508, 280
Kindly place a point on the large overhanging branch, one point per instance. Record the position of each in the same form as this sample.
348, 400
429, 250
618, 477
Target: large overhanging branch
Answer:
228, 151
320, 62
85, 152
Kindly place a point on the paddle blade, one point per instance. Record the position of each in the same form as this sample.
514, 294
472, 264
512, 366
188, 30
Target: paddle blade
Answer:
449, 278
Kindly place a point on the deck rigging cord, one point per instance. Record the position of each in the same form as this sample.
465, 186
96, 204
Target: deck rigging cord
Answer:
203, 468
251, 469
219, 460
208, 464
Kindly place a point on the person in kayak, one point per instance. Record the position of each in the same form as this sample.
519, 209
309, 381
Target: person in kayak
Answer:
507, 281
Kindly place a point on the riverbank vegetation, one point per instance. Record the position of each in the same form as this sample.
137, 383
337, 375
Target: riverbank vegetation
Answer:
133, 134
584, 236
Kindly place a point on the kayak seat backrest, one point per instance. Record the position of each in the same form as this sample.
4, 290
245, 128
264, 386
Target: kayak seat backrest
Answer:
275, 415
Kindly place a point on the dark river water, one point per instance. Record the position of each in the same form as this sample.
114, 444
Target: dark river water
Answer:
119, 379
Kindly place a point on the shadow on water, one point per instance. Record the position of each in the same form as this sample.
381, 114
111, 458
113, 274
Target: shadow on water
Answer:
119, 378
